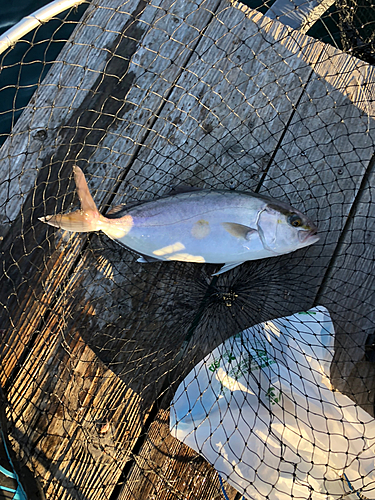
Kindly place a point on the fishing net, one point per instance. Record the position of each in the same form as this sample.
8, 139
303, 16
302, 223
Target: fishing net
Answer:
146, 97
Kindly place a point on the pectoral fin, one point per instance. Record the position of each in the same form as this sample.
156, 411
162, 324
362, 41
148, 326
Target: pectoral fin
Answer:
238, 230
227, 267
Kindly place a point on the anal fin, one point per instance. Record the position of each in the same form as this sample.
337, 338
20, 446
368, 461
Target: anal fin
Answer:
145, 259
227, 267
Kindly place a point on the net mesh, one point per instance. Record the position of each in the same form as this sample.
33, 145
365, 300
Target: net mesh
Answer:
146, 97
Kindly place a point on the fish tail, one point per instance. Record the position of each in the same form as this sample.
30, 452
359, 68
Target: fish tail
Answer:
78, 221
88, 218
84, 220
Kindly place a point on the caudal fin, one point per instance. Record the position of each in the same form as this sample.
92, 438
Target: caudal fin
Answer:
84, 220
88, 218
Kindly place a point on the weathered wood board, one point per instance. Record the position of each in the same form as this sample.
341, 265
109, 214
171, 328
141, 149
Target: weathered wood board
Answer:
166, 469
68, 475
320, 166
104, 106
349, 291
52, 282
213, 95
55, 165
76, 428
227, 111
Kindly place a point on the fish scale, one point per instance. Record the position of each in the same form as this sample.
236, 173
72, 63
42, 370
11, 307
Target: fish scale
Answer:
188, 228
199, 226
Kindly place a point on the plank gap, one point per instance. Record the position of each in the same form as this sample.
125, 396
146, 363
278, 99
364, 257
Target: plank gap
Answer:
341, 241
281, 139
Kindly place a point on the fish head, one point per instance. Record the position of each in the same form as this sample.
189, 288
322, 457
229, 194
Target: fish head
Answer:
283, 229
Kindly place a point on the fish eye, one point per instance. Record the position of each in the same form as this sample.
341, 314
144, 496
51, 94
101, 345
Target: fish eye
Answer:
295, 220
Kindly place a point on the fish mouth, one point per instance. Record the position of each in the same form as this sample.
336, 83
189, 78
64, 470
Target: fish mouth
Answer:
308, 237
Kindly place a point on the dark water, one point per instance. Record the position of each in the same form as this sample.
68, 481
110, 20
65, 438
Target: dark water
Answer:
23, 66
12, 12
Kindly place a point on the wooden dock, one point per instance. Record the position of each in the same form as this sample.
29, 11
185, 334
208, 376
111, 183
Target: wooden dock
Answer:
145, 96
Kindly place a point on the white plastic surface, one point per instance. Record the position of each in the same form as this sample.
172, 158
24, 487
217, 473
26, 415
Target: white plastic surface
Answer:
261, 409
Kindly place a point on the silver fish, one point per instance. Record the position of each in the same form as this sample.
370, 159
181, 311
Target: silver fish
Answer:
197, 226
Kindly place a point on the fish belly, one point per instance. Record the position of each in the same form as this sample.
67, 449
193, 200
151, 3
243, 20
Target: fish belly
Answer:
188, 227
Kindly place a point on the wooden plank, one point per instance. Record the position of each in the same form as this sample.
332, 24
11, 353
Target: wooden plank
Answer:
74, 417
319, 168
123, 127
223, 120
73, 474
152, 175
316, 166
167, 469
348, 290
353, 77
134, 335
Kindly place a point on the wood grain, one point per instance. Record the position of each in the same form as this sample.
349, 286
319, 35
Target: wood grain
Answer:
167, 469
348, 290
69, 473
106, 107
209, 94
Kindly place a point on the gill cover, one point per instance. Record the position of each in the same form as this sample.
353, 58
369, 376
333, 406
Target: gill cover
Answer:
267, 228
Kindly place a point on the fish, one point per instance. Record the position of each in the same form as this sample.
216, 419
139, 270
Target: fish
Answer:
201, 226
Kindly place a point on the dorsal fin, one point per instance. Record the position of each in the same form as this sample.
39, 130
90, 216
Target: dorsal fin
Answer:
183, 188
